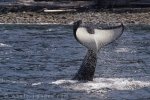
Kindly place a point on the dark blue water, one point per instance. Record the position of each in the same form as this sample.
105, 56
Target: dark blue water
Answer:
38, 61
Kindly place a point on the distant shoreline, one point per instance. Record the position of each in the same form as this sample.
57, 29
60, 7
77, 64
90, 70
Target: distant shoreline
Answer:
136, 16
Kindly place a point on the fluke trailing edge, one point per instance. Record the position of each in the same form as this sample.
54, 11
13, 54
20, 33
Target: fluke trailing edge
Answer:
93, 37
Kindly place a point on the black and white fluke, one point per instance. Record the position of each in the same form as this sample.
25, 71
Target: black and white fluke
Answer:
93, 38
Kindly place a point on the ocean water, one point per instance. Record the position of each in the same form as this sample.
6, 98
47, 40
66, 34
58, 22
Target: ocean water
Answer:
37, 62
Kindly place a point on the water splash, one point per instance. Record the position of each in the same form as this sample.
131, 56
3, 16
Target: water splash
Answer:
103, 84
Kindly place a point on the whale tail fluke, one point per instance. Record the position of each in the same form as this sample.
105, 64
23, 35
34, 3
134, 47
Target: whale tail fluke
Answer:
93, 38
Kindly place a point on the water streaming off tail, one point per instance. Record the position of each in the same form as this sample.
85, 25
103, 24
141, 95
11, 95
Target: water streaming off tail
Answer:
38, 61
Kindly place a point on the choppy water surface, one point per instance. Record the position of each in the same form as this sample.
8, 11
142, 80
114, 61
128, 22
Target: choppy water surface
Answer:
38, 61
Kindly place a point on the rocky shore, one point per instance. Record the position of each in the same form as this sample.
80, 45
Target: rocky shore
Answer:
126, 16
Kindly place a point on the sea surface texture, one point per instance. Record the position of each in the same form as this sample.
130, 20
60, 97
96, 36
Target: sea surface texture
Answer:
37, 62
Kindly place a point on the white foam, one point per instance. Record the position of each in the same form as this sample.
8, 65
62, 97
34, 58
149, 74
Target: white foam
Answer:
4, 45
118, 50
35, 84
12, 81
59, 82
104, 83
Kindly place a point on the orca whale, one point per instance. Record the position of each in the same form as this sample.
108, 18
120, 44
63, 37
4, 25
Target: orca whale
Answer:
93, 37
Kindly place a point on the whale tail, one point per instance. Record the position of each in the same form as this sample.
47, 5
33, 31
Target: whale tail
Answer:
93, 38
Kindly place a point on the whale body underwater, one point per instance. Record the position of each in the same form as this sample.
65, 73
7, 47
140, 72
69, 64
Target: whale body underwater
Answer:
93, 37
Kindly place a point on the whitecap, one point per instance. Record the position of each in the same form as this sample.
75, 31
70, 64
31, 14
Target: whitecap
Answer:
35, 84
4, 45
118, 50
